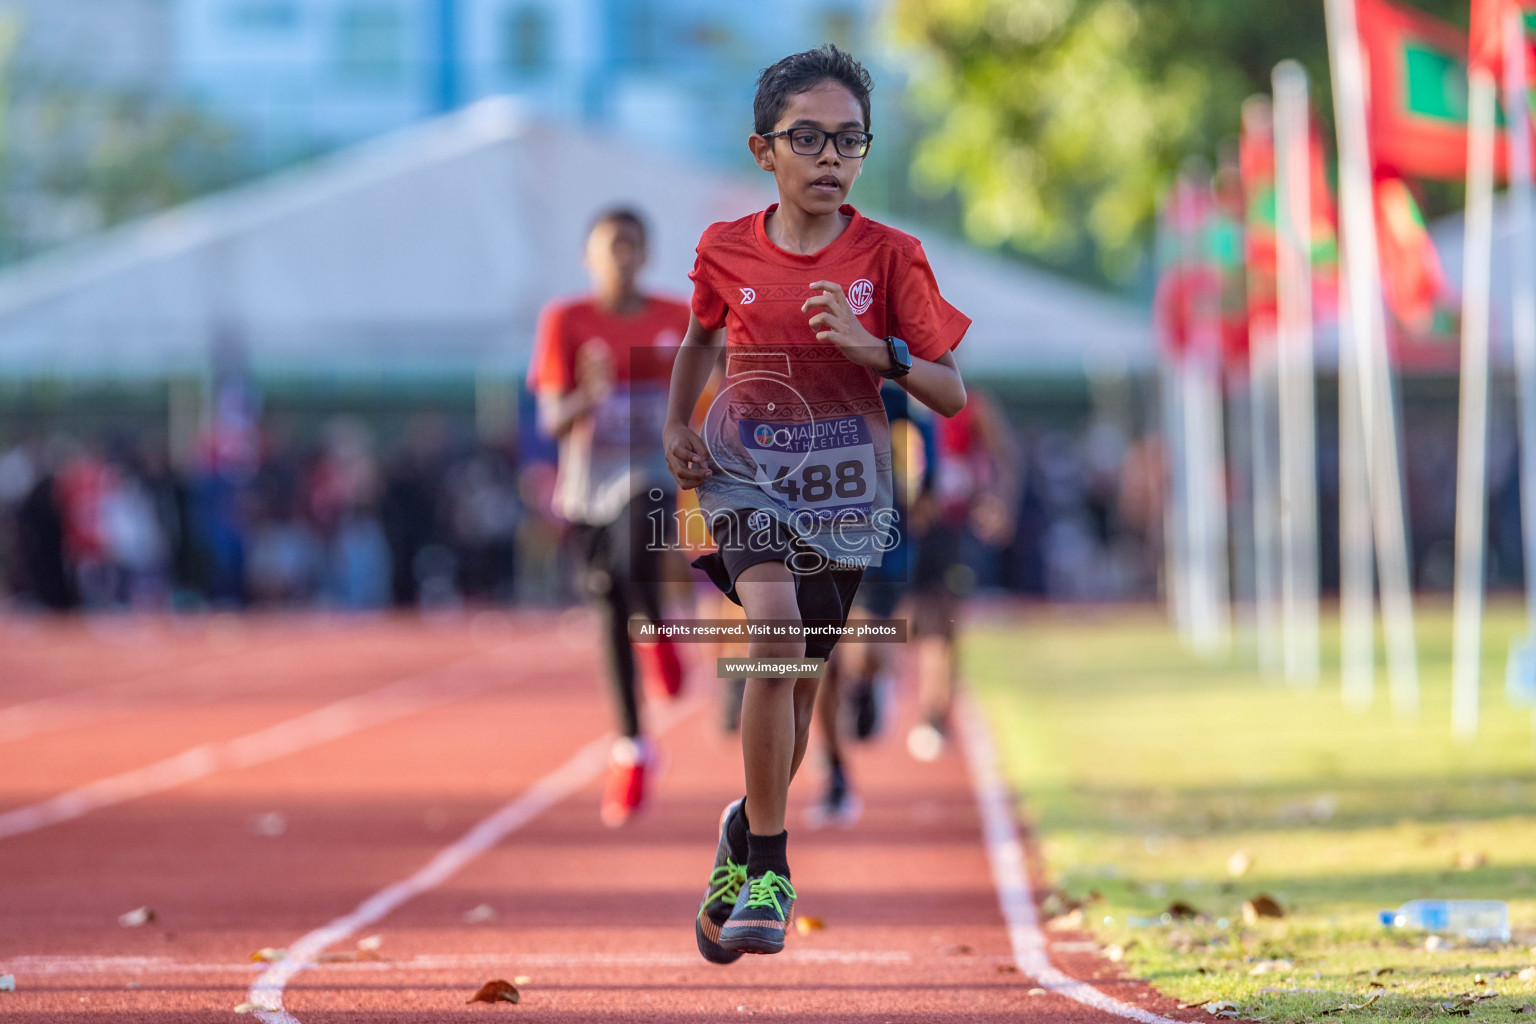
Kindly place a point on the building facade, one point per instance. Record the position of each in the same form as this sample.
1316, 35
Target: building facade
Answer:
306, 75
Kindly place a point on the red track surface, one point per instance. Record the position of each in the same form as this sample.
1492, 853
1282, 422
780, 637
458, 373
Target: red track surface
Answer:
600, 921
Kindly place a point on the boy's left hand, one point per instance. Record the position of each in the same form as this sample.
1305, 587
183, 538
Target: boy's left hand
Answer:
835, 322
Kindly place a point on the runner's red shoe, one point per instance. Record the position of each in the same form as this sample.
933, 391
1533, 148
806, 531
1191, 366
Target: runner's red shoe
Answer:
662, 667
625, 789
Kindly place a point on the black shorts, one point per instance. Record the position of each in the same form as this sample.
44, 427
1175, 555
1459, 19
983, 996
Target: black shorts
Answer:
879, 598
823, 592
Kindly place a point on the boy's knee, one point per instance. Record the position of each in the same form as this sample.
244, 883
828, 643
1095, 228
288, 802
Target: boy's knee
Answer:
777, 647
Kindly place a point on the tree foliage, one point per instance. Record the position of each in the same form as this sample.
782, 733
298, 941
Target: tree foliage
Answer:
1060, 123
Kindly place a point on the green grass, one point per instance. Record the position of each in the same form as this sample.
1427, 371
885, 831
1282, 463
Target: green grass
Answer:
1144, 771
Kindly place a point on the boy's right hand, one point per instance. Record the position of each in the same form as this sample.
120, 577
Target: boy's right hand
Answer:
687, 457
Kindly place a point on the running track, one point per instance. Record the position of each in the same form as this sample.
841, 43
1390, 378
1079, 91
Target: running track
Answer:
416, 770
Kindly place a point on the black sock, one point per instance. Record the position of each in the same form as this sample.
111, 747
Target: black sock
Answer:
736, 833
767, 853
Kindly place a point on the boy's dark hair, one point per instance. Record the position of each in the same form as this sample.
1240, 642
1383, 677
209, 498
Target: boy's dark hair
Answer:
621, 215
801, 71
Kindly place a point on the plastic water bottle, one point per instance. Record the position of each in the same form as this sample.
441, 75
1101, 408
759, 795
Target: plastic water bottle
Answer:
1474, 920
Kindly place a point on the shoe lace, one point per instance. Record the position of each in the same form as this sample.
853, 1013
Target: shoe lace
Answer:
725, 881
765, 891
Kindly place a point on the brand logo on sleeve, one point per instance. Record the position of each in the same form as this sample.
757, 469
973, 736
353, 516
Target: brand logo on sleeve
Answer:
860, 294
748, 296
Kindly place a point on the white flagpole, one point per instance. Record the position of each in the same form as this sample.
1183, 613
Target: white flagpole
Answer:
1368, 327
1472, 455
1205, 493
1298, 440
1262, 357
1261, 522
1520, 676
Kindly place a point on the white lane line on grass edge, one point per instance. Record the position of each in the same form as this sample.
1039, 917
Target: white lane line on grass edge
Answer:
1005, 853
267, 990
330, 722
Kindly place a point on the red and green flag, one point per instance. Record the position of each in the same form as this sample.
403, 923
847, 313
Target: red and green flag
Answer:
1187, 305
1417, 74
1256, 156
1486, 45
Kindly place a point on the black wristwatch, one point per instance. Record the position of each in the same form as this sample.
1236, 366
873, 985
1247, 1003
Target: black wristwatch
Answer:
901, 359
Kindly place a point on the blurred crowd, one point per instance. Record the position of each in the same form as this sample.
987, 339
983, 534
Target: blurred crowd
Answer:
328, 522
436, 519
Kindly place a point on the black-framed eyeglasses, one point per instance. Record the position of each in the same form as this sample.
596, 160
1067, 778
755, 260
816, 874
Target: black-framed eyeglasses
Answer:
850, 145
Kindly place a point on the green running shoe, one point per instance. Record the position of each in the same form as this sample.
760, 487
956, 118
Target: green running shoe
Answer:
761, 916
725, 882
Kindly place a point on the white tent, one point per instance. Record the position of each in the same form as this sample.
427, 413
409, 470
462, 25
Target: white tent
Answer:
1447, 233
430, 251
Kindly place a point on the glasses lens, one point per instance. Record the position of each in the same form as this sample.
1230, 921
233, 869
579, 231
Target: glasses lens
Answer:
852, 144
806, 141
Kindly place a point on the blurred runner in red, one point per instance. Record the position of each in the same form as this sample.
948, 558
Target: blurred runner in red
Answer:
601, 367
975, 487
855, 695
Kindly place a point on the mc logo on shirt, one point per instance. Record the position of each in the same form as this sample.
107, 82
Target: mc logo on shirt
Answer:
860, 294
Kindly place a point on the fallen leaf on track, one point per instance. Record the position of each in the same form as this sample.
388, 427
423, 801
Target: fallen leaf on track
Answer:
1347, 1007
269, 825
805, 925
522, 979
371, 943
497, 991
7, 983
1223, 1010
1037, 992
484, 912
254, 1008
137, 918
1117, 953
1262, 905
268, 955
1192, 1006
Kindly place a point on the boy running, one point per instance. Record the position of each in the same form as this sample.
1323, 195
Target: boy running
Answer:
600, 370
794, 466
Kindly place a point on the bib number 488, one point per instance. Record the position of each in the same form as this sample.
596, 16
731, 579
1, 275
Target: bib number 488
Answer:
820, 482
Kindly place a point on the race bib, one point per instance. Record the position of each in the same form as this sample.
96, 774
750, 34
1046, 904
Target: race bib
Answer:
824, 467
630, 415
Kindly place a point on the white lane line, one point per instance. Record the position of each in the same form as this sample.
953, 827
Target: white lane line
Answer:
53, 966
333, 721
267, 990
1005, 853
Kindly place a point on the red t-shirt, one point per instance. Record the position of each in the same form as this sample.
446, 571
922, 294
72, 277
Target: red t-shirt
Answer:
615, 453
744, 282
640, 346
798, 429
